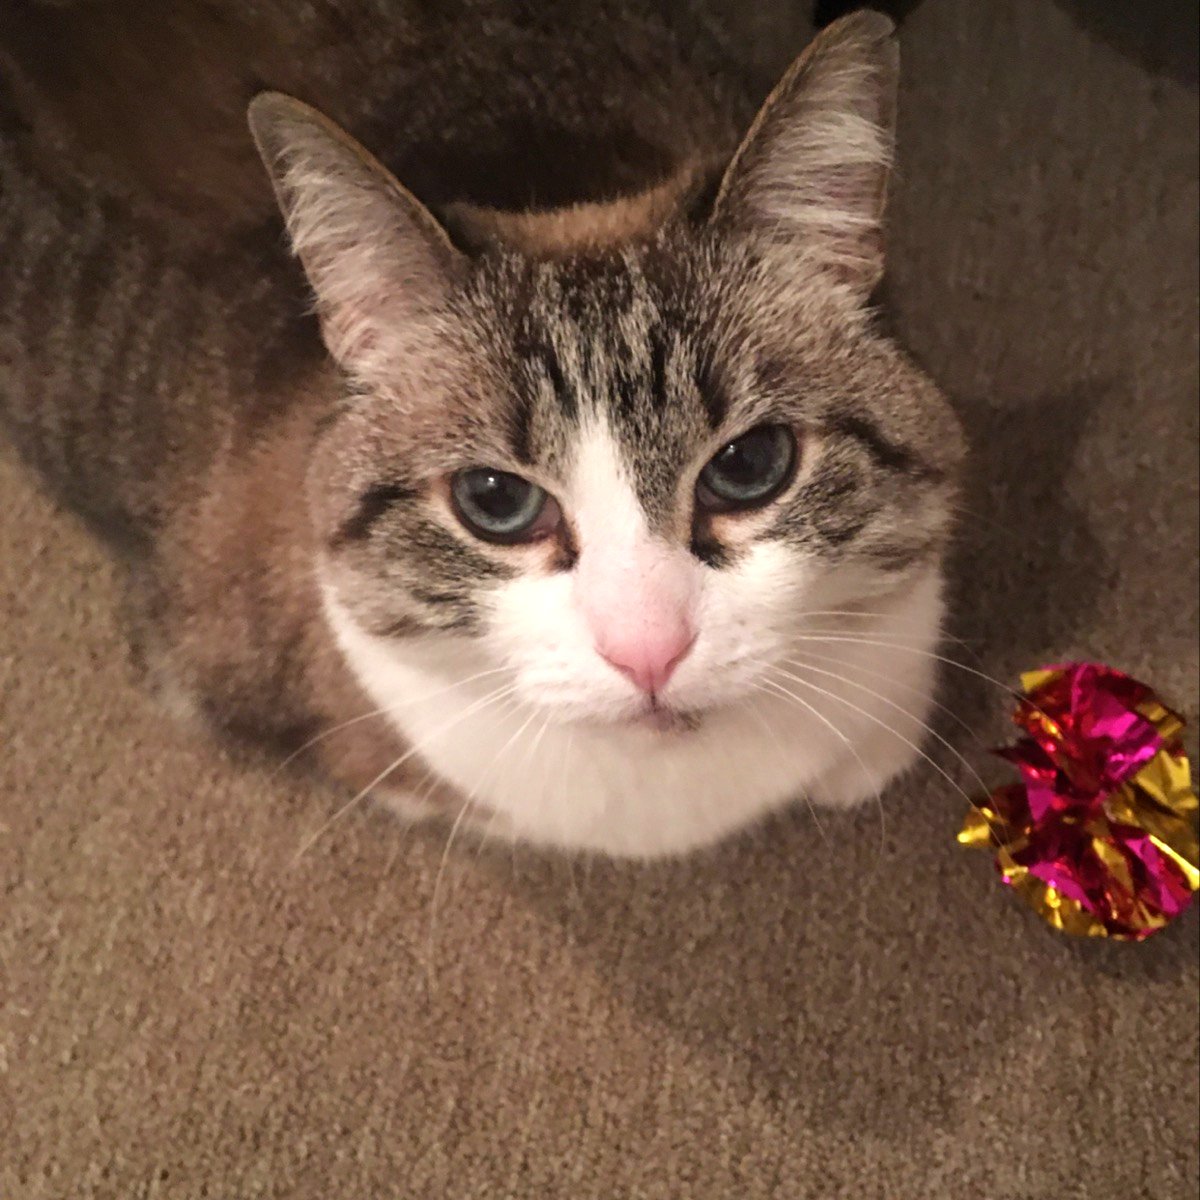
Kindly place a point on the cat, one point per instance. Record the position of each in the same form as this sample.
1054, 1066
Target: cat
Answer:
612, 525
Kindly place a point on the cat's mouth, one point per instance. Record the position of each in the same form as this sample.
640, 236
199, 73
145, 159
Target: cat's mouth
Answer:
659, 719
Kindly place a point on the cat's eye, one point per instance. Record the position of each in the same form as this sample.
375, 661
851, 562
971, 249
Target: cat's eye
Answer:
501, 507
749, 471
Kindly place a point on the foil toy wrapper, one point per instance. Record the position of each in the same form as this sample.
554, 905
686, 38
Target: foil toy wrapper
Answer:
1099, 836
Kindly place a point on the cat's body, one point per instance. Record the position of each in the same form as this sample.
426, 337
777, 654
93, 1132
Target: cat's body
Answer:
634, 672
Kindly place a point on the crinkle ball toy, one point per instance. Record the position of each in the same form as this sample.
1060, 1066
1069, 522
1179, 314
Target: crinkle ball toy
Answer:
1099, 835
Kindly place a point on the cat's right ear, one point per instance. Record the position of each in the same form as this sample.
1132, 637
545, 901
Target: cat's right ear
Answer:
376, 258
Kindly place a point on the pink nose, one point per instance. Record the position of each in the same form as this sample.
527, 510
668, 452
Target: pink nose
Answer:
650, 659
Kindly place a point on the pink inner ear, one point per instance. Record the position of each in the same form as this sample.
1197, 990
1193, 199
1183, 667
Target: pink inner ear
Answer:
639, 603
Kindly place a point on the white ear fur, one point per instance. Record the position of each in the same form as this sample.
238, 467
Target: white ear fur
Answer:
376, 258
811, 174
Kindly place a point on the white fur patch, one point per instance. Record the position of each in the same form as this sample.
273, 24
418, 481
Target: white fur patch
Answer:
541, 741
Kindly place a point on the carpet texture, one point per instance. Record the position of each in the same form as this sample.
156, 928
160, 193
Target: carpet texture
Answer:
854, 1009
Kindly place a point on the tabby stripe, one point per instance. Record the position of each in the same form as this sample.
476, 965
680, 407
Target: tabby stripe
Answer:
166, 371
372, 505
893, 559
78, 279
625, 389
889, 455
563, 391
712, 394
436, 599
34, 282
827, 500
708, 549
142, 423
658, 367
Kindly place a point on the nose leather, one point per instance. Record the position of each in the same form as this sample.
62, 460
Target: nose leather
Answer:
649, 658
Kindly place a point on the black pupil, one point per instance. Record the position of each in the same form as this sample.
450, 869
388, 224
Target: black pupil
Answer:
745, 462
750, 467
497, 496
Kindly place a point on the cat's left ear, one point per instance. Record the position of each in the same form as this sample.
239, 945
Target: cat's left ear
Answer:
811, 175
377, 259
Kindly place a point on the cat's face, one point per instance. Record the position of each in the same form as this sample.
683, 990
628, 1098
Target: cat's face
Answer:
630, 478
623, 480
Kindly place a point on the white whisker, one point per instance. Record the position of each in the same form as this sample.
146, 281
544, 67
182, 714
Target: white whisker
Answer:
467, 804
921, 631
854, 640
783, 758
430, 966
387, 710
883, 725
862, 687
945, 708
490, 698
779, 689
530, 752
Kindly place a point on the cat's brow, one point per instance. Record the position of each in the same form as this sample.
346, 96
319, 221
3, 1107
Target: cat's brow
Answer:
885, 453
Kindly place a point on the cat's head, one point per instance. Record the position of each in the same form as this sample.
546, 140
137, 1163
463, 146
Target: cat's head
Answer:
626, 472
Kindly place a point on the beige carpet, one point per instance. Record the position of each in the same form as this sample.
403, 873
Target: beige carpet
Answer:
852, 1011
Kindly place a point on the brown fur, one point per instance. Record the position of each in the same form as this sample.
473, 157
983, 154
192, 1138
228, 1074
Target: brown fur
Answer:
175, 396
149, 100
245, 631
580, 228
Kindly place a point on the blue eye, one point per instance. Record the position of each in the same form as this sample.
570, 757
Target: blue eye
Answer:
749, 471
500, 507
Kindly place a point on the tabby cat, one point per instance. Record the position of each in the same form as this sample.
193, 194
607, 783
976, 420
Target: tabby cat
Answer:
611, 522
